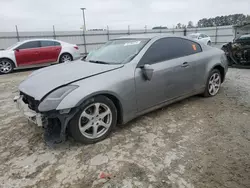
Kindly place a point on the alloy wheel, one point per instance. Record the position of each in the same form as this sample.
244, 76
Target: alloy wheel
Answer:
95, 120
5, 66
214, 84
66, 58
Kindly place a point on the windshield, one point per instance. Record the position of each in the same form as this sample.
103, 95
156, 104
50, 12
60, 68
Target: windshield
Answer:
245, 37
117, 51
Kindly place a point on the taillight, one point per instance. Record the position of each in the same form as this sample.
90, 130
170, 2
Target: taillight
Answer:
76, 47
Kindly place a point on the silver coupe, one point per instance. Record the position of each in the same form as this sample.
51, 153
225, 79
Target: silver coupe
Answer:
123, 79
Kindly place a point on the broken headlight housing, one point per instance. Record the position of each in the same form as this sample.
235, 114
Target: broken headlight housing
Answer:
55, 97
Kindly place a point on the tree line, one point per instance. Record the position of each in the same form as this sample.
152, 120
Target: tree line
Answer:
233, 19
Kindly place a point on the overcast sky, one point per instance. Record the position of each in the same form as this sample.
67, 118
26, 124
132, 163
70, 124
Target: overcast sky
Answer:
34, 15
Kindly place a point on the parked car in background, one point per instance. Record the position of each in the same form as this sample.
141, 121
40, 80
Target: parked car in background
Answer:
37, 52
201, 37
238, 51
123, 79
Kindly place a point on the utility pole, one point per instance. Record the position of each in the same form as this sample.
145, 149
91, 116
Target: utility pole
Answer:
83, 15
17, 34
84, 30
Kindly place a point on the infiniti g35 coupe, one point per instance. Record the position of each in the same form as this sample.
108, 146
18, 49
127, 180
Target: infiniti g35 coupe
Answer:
121, 80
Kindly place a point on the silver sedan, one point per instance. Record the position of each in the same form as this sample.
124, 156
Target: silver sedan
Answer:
123, 79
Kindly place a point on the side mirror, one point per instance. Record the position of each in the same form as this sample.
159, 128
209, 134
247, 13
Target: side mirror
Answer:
199, 37
147, 71
17, 50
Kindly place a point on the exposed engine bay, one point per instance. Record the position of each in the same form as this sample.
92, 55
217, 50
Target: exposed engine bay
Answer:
238, 52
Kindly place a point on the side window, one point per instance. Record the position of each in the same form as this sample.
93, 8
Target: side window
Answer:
57, 43
156, 52
203, 36
28, 45
169, 48
47, 43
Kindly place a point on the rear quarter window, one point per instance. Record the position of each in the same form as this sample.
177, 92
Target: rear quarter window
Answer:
48, 43
57, 43
184, 47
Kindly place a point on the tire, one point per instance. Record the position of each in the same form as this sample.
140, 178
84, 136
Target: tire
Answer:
6, 66
65, 57
89, 120
209, 43
214, 75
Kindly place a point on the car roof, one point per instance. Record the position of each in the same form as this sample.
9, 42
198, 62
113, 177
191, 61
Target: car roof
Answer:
158, 36
243, 36
148, 36
37, 39
195, 34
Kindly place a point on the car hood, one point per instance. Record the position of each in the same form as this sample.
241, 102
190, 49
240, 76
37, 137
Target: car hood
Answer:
3, 52
42, 81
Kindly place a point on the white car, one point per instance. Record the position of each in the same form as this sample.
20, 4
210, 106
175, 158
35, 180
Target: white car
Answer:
201, 37
37, 52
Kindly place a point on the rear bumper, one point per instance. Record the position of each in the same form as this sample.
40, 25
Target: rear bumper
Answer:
76, 55
34, 117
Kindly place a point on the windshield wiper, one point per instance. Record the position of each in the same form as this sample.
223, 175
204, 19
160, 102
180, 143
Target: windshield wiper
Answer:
99, 62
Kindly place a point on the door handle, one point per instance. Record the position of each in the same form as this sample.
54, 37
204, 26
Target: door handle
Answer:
185, 64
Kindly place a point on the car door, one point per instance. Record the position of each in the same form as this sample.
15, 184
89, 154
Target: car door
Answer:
171, 60
27, 53
49, 51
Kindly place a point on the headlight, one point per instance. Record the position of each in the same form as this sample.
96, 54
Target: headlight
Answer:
53, 99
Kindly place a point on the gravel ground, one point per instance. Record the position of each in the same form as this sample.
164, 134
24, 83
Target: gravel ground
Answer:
196, 143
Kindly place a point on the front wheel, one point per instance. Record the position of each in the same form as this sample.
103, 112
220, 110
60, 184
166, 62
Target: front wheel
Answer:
94, 121
209, 43
213, 83
6, 66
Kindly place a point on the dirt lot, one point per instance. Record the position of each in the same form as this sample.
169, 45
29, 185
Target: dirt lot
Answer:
196, 143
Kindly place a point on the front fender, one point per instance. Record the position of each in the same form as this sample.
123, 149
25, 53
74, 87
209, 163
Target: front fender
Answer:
78, 96
117, 83
104, 92
5, 54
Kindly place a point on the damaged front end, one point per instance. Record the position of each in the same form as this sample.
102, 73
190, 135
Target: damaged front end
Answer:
55, 130
238, 53
43, 114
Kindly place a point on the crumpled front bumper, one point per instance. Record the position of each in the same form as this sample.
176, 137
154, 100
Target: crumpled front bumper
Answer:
34, 117
54, 123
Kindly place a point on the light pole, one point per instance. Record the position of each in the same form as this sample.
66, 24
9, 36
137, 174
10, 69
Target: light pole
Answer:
83, 15
84, 29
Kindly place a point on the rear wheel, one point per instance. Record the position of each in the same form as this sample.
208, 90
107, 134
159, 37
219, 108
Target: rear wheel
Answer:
94, 121
65, 57
213, 83
6, 66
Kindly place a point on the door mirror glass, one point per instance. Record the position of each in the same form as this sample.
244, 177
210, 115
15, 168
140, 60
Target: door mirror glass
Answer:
147, 71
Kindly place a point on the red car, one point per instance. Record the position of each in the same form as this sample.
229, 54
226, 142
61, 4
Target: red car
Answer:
37, 52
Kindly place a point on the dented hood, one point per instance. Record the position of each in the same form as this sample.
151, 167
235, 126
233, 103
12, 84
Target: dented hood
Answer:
42, 81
